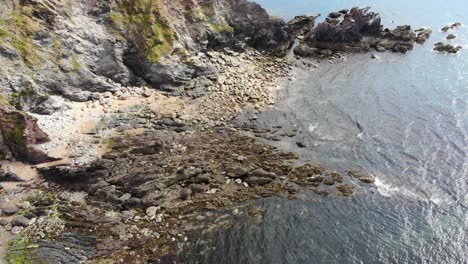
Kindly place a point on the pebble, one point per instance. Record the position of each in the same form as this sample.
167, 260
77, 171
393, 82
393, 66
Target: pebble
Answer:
17, 230
3, 222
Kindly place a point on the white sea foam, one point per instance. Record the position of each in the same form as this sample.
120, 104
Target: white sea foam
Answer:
313, 127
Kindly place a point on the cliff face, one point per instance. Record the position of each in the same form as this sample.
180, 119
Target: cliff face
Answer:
76, 48
82, 48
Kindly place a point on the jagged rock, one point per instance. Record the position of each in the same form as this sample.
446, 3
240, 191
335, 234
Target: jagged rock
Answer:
252, 24
423, 35
359, 30
344, 11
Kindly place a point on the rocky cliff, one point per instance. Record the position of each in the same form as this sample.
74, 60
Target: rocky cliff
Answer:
81, 49
77, 48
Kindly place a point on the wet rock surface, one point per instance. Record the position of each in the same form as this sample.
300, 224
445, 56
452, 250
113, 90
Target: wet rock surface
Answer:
163, 191
446, 48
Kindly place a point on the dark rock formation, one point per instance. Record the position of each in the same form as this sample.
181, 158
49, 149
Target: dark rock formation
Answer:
454, 25
423, 35
360, 30
335, 15
446, 48
250, 24
19, 133
451, 36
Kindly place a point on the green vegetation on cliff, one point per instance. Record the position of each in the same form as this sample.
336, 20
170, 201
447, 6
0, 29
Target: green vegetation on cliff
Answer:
17, 31
141, 22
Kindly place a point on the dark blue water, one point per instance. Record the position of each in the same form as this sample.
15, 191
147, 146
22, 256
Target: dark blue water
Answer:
413, 110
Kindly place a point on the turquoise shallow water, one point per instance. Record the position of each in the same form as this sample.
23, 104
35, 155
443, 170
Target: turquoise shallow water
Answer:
413, 110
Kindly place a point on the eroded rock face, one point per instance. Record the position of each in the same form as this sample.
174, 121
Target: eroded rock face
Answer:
77, 49
19, 133
250, 24
359, 30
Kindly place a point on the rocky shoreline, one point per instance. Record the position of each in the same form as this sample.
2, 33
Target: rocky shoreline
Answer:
139, 154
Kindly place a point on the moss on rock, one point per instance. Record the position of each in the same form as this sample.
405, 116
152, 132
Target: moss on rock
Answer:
141, 22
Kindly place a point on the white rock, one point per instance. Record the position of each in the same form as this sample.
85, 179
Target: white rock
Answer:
151, 211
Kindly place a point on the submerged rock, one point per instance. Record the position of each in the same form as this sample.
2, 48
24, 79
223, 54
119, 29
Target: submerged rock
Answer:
452, 26
346, 190
451, 36
446, 48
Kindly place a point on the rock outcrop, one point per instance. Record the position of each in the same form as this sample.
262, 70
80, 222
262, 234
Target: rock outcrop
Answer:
452, 26
446, 48
359, 30
19, 133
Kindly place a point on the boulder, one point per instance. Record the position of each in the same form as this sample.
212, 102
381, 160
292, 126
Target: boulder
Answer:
346, 190
451, 36
423, 35
446, 48
335, 15
10, 210
20, 221
255, 181
19, 133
